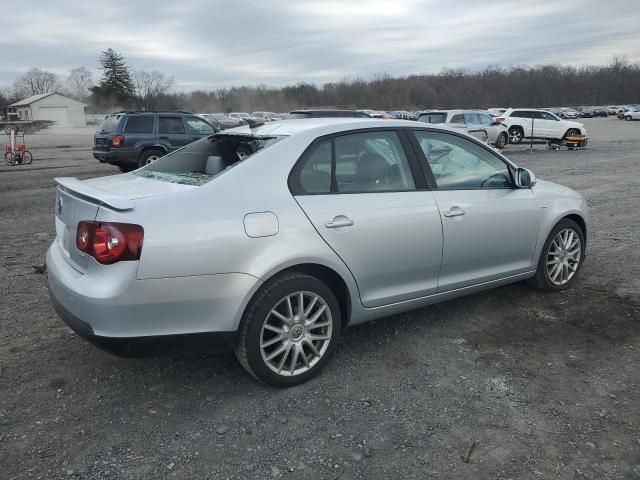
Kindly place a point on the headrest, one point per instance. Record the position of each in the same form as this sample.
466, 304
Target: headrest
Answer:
215, 165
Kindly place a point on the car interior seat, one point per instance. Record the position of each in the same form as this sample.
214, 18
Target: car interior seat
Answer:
372, 172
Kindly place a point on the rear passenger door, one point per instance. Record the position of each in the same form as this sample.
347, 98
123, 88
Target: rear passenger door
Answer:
139, 129
366, 196
172, 132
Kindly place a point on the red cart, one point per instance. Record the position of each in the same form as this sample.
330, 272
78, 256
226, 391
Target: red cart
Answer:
16, 153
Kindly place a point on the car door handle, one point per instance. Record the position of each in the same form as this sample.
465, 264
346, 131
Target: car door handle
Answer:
339, 221
454, 212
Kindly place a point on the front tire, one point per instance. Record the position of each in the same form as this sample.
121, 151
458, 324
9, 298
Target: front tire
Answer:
561, 258
289, 330
516, 134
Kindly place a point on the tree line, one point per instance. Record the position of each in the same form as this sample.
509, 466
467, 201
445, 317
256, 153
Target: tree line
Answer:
122, 87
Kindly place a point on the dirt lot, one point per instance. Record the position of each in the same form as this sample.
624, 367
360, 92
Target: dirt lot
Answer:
546, 385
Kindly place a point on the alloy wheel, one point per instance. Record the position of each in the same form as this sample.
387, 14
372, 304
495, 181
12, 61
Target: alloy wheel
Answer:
515, 136
563, 257
296, 333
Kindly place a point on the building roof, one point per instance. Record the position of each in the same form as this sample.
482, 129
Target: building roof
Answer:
36, 98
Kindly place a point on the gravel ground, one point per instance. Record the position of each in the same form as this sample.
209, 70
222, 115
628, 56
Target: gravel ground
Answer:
543, 385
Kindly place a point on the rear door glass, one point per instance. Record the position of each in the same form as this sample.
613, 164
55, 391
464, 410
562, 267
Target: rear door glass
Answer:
139, 124
109, 124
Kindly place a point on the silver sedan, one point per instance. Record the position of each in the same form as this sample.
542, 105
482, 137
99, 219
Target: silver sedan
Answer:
270, 239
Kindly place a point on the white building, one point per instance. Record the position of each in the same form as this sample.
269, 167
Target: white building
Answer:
65, 111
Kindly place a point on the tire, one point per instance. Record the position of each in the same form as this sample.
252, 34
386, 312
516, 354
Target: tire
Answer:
8, 158
149, 156
628, 118
27, 158
262, 333
548, 278
502, 141
516, 134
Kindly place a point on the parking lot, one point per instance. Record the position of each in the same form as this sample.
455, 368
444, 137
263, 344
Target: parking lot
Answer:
510, 383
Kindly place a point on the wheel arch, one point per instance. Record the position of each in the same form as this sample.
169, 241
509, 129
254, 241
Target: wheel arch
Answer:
328, 276
152, 147
581, 223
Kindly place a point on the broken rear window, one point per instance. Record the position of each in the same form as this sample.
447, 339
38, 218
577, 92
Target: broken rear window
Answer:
200, 161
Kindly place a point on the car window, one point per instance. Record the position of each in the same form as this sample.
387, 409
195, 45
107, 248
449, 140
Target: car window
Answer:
459, 118
547, 116
171, 125
315, 174
458, 163
472, 118
199, 127
360, 163
371, 162
109, 124
522, 114
432, 117
485, 119
139, 124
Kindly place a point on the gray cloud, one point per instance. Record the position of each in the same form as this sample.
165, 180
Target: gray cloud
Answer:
207, 44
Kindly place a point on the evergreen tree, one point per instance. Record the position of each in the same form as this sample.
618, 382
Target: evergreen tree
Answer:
116, 79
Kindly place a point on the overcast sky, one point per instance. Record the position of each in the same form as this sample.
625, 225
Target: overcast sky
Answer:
208, 44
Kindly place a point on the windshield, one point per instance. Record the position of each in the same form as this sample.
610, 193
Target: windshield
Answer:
109, 124
199, 162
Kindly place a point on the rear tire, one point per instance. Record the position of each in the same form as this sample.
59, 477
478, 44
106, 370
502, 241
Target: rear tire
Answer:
516, 134
283, 341
8, 158
27, 158
561, 258
502, 141
149, 156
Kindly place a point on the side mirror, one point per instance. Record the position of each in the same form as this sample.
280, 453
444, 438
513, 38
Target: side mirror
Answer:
525, 178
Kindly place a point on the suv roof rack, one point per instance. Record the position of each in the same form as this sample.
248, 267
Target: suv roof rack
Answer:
152, 111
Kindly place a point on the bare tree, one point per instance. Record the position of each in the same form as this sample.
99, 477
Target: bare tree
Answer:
78, 82
36, 81
149, 87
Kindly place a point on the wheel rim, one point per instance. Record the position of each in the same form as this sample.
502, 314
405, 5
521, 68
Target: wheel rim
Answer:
515, 136
296, 333
563, 257
151, 159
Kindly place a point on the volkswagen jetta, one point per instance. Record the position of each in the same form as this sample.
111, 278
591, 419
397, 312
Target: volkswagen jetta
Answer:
270, 240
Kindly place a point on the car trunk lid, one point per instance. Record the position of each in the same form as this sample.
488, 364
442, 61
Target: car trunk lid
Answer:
78, 200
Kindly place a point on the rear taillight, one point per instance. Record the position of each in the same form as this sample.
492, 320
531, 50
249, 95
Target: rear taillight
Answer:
110, 242
499, 119
117, 141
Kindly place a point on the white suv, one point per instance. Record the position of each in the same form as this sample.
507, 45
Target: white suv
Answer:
531, 123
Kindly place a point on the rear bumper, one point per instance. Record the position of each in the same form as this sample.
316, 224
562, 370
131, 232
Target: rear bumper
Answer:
122, 156
108, 302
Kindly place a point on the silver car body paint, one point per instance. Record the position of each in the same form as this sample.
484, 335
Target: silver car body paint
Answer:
208, 249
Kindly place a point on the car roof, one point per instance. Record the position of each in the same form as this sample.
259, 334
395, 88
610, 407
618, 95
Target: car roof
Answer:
322, 126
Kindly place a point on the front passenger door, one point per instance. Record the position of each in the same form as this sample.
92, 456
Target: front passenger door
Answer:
490, 227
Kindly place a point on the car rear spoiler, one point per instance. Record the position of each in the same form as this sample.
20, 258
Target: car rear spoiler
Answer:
73, 185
